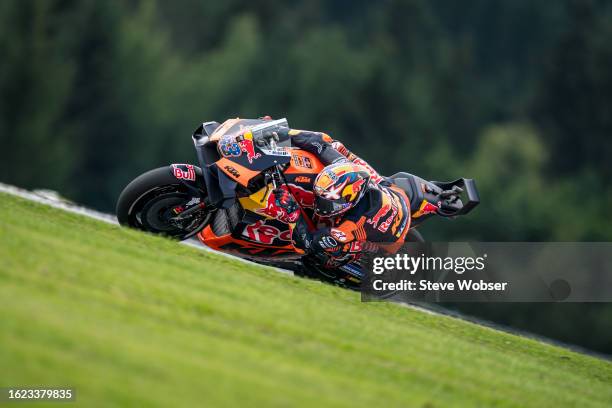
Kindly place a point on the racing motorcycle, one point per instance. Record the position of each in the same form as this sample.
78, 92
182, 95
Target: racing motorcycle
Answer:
226, 201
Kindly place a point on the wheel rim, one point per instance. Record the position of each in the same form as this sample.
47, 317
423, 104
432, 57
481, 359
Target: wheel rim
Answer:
152, 212
157, 212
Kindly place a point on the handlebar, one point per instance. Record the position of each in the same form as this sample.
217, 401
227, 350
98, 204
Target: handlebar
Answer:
264, 130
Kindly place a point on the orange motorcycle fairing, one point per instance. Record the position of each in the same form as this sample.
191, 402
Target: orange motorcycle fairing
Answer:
269, 237
303, 162
244, 248
236, 171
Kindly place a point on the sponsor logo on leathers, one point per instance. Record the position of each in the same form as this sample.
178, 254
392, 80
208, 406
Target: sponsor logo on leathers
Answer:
338, 234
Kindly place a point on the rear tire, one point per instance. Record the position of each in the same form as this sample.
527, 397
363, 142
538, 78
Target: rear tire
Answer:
146, 204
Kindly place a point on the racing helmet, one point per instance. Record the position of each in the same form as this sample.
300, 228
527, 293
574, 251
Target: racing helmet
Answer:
339, 187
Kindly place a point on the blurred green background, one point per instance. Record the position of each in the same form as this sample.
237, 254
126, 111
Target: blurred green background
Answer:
516, 94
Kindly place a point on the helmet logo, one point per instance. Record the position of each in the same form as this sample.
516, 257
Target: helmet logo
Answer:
340, 186
351, 192
334, 192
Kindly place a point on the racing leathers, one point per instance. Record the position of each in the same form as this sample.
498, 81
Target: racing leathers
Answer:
379, 221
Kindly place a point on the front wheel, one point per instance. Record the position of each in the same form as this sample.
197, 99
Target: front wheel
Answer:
154, 201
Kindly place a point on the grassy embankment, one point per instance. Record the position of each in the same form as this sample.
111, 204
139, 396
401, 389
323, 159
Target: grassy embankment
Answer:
131, 319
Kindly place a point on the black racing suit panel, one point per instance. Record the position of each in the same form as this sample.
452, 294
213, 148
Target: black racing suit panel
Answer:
317, 143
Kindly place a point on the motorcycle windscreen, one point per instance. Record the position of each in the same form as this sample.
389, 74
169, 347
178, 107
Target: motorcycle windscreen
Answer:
244, 152
234, 127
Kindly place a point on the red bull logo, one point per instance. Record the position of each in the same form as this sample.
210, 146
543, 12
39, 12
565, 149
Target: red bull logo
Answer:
381, 212
425, 208
275, 211
304, 197
248, 147
352, 190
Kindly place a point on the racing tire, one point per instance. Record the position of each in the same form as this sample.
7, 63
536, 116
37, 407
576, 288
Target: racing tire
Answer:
147, 201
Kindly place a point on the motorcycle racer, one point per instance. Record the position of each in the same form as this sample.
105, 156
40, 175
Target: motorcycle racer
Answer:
335, 208
360, 210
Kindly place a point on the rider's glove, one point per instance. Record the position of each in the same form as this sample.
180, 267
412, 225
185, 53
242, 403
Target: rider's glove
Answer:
301, 237
285, 200
288, 208
279, 134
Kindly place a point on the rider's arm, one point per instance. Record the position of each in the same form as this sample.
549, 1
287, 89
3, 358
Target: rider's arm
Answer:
330, 240
327, 149
317, 143
341, 148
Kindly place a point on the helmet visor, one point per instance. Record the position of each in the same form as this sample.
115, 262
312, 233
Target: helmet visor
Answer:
329, 208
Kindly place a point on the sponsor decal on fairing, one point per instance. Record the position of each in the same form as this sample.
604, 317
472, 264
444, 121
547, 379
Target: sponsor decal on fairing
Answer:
230, 147
184, 172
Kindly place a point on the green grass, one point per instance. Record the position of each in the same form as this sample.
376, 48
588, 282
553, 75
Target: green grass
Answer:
135, 320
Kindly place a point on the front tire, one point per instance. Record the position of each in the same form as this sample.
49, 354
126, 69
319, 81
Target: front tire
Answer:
149, 203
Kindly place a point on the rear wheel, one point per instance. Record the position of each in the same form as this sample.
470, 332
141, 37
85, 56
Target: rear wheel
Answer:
153, 201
